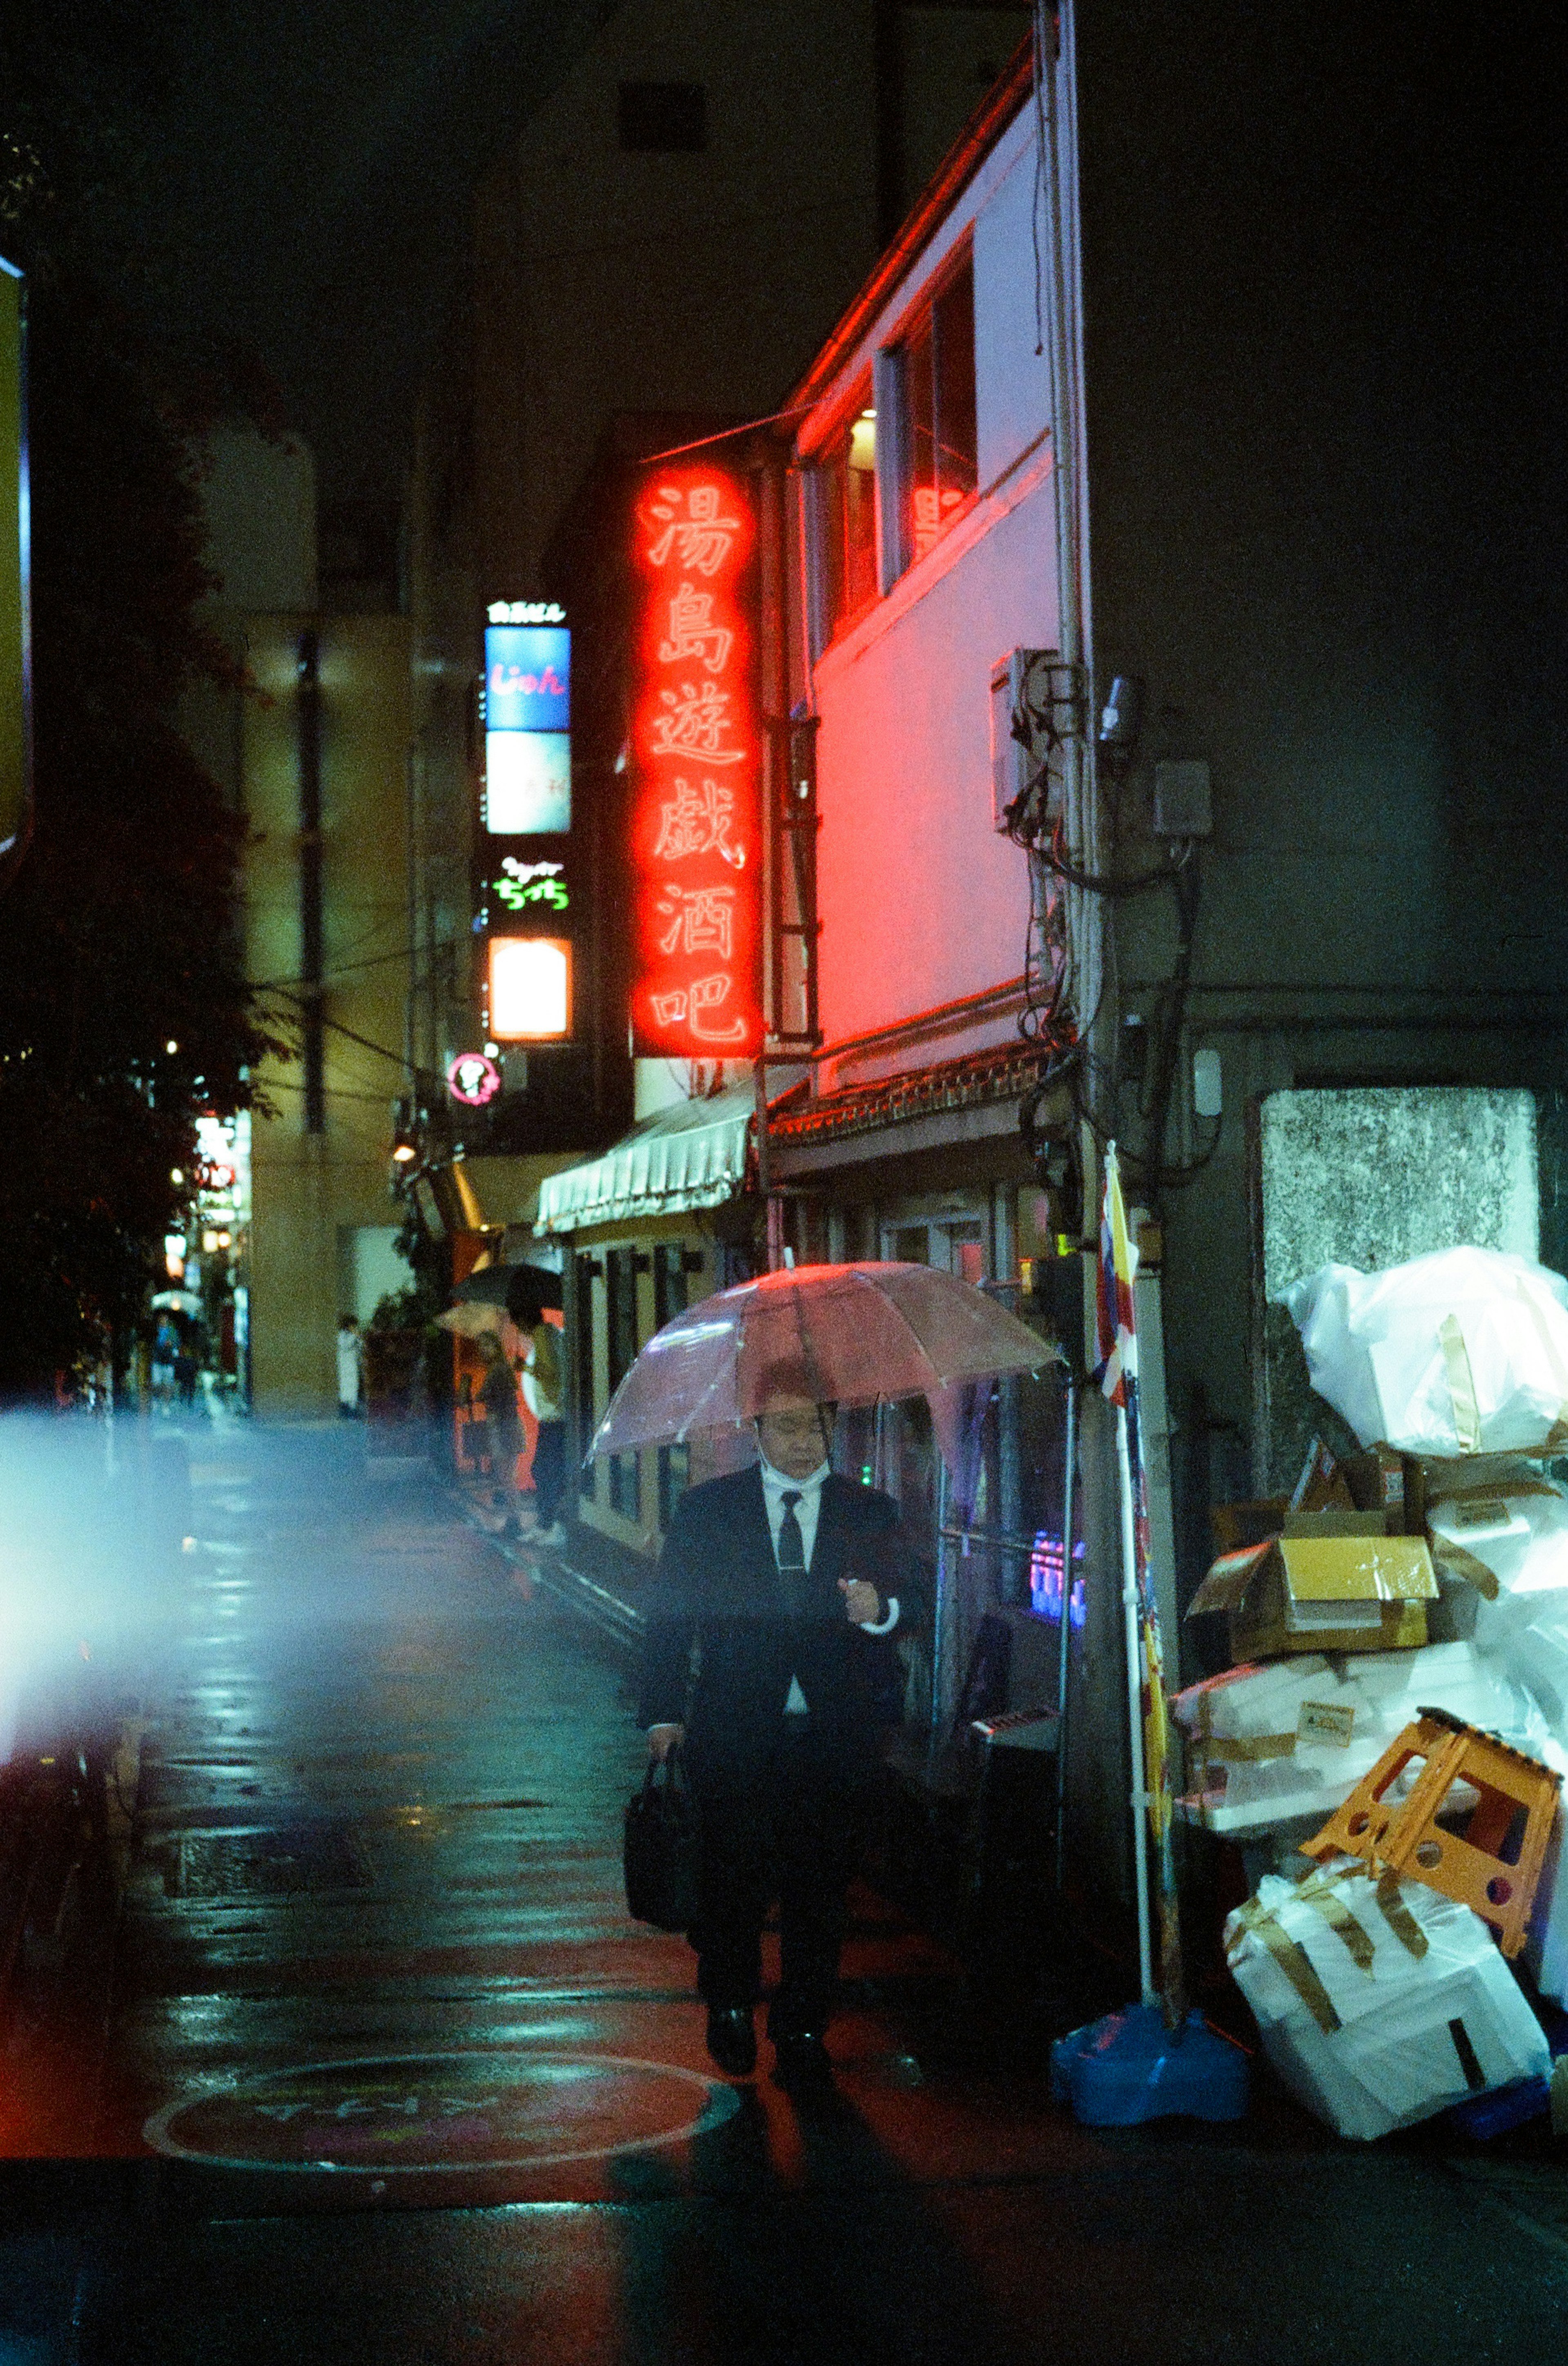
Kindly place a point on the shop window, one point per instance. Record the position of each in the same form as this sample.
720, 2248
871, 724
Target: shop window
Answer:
582, 1370
846, 480
936, 379
620, 1324
670, 1296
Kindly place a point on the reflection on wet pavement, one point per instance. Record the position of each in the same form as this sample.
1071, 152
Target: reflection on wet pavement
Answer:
389, 2075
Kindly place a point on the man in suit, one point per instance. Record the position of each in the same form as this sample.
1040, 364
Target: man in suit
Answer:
789, 1580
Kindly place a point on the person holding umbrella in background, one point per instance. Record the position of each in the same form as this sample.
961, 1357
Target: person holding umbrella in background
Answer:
790, 1579
503, 1428
543, 1385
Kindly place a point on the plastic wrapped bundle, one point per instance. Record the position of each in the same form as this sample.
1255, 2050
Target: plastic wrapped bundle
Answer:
1461, 1352
1379, 2003
1279, 1747
1521, 1539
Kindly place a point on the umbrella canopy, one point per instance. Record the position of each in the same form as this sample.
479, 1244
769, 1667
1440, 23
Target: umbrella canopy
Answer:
508, 1284
468, 1319
183, 1301
860, 1331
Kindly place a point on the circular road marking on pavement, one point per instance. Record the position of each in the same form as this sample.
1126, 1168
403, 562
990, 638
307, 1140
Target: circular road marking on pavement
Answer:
429, 2114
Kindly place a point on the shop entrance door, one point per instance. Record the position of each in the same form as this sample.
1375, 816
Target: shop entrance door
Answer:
952, 1244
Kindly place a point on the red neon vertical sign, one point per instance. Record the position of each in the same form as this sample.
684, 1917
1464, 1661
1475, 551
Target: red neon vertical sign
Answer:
697, 989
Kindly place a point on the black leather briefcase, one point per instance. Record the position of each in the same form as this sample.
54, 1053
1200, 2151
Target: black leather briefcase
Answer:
659, 1850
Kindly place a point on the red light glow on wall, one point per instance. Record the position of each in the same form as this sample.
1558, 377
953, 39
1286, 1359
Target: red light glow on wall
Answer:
696, 853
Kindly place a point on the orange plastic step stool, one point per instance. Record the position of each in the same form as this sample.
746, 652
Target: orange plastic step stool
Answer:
1493, 1865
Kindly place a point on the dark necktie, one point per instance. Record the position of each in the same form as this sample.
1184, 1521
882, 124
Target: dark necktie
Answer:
791, 1555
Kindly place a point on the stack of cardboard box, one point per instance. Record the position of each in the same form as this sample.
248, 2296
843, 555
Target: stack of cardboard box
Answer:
1391, 1585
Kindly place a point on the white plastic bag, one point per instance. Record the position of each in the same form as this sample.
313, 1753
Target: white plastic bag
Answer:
1461, 1352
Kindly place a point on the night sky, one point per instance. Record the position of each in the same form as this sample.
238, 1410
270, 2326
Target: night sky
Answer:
311, 164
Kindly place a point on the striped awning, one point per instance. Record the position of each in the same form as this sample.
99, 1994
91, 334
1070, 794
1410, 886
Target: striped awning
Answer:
693, 1156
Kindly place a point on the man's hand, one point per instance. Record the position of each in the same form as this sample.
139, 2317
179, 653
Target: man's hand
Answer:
862, 1603
662, 1740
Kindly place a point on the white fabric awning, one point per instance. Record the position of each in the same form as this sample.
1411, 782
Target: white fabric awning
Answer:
692, 1156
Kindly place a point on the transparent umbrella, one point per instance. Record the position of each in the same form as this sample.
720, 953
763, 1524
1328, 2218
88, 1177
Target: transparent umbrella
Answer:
859, 1332
469, 1318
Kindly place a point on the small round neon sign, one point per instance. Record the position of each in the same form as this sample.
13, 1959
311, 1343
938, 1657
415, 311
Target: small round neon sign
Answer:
473, 1078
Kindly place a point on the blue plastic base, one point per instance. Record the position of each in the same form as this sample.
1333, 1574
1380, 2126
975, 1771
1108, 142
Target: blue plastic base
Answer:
1494, 2115
1127, 2068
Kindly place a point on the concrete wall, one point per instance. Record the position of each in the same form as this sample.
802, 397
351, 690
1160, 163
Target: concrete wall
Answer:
1323, 454
607, 280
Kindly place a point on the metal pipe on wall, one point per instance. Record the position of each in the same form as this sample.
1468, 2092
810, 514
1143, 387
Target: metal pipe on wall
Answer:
308, 745
1064, 1661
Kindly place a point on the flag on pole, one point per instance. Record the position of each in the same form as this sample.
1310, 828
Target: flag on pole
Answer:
1116, 1345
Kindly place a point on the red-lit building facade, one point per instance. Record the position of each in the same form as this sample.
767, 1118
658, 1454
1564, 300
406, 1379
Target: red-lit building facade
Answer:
1103, 454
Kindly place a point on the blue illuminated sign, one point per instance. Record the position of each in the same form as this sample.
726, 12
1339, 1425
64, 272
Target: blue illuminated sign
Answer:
527, 673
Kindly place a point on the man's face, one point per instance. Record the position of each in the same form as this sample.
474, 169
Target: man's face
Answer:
793, 1435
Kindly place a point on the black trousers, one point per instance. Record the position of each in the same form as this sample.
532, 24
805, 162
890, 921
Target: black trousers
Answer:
550, 1470
790, 1830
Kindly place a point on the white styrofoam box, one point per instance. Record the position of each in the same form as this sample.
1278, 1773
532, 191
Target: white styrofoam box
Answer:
1408, 2034
1332, 1721
1376, 1349
1537, 1657
1545, 1953
1528, 1559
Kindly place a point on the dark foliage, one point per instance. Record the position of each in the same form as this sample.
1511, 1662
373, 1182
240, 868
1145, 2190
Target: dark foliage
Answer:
118, 937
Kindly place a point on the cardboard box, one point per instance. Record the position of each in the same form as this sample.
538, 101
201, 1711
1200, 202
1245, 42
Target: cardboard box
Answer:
1379, 2003
1388, 1483
1235, 1525
1322, 1592
1322, 1485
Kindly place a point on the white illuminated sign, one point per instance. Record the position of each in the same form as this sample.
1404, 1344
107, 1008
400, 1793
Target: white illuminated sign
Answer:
531, 989
526, 612
528, 783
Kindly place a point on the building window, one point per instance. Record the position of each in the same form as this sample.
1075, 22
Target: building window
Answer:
936, 384
847, 479
666, 118
620, 1324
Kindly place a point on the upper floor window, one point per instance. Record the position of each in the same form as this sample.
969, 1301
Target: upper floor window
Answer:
937, 375
846, 477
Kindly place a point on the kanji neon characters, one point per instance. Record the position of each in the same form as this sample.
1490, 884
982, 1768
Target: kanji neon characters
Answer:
696, 723
699, 820
693, 529
701, 920
694, 747
692, 1005
693, 632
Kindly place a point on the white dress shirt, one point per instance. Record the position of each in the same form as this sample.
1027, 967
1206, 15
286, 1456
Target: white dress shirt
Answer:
775, 1485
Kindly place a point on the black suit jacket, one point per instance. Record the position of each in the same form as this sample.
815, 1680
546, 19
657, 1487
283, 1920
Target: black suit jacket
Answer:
718, 1586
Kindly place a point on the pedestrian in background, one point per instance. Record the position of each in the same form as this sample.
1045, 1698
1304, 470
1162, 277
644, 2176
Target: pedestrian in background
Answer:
791, 1582
351, 1367
541, 1386
503, 1429
165, 1348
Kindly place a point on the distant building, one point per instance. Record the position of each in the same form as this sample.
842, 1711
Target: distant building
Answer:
314, 750
673, 231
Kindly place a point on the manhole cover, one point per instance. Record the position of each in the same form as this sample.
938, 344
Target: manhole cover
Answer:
443, 2113
284, 1861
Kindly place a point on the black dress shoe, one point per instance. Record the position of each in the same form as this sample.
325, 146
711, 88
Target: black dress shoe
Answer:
800, 2062
732, 2039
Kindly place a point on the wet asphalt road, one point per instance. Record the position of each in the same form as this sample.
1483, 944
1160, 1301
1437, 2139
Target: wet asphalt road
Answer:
386, 2073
